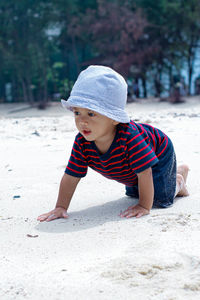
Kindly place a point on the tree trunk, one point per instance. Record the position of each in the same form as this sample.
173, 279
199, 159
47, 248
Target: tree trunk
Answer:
170, 81
30, 92
144, 85
158, 81
75, 54
24, 89
191, 59
190, 73
45, 90
43, 100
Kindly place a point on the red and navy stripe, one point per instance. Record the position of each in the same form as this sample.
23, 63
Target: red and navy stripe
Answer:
135, 148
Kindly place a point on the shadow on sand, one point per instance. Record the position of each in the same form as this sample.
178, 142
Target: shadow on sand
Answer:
88, 218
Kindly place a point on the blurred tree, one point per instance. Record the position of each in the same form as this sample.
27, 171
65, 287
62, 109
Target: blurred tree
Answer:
175, 27
117, 36
45, 44
24, 45
74, 49
185, 16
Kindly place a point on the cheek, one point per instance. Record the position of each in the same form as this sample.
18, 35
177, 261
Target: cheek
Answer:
76, 122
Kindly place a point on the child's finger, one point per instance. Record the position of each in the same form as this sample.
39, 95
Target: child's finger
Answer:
52, 217
42, 218
132, 214
140, 214
123, 213
129, 213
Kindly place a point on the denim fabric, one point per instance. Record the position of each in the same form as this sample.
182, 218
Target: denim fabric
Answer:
164, 179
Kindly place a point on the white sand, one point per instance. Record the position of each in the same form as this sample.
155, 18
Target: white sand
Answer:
94, 254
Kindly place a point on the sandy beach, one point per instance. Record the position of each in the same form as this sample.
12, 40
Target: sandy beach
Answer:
94, 254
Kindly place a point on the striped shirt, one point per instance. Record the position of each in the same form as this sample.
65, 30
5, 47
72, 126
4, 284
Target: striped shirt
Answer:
135, 148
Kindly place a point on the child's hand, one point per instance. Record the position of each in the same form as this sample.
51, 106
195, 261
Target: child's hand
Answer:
134, 211
58, 212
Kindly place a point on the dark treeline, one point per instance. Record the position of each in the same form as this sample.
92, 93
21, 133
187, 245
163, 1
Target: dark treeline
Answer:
45, 44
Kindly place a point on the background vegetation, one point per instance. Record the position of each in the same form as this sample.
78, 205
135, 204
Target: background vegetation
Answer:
45, 44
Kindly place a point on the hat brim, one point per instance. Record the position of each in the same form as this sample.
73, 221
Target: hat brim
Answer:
118, 115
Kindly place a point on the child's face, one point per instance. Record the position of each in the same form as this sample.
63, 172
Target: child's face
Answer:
93, 126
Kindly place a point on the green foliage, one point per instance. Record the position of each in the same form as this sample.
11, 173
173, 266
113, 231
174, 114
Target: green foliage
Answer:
45, 44
24, 45
175, 25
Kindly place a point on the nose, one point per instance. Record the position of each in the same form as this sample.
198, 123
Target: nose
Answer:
83, 121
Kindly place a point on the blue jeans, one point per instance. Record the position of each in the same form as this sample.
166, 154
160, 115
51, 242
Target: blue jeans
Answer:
164, 180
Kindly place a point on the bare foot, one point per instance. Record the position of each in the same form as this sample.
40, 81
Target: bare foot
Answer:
183, 170
182, 173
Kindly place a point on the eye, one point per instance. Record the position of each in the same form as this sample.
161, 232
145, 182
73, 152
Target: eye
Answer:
91, 114
76, 113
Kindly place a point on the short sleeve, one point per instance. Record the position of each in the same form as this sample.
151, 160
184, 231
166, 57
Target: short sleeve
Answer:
141, 154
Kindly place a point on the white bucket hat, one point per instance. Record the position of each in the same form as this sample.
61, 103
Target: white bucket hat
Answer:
102, 90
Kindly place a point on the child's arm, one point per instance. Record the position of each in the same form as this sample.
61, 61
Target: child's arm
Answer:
146, 194
67, 188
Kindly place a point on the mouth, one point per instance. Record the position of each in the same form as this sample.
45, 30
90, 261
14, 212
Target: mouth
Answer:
86, 132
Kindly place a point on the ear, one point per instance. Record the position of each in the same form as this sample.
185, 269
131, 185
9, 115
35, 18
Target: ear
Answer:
115, 123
